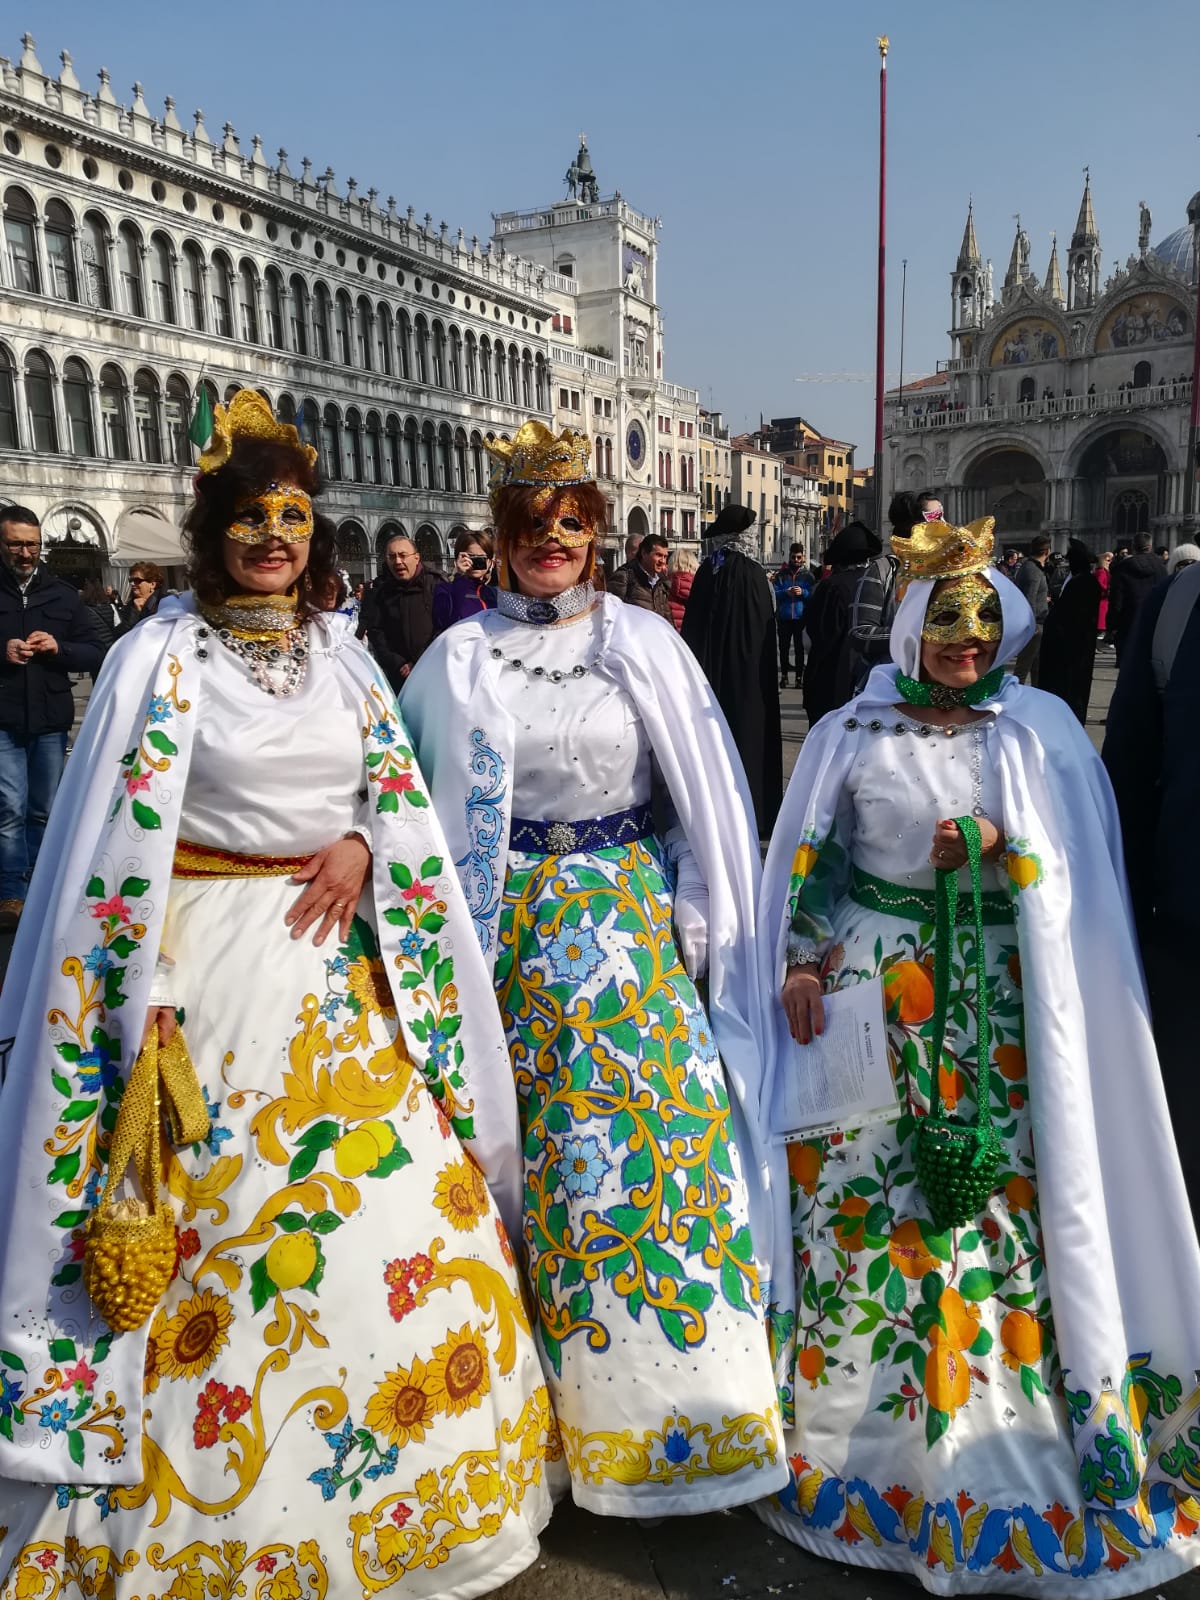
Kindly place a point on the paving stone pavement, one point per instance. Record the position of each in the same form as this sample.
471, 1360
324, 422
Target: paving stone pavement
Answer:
726, 1555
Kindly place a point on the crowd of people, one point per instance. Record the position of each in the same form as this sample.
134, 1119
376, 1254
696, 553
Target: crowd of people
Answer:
438, 918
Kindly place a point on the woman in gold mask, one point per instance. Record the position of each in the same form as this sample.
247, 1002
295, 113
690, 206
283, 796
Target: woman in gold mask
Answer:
603, 833
997, 1325
244, 856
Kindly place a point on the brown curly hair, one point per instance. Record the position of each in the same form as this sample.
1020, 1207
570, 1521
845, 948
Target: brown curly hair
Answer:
513, 513
254, 464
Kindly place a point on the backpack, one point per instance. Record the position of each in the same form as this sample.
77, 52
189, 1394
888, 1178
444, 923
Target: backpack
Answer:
1177, 607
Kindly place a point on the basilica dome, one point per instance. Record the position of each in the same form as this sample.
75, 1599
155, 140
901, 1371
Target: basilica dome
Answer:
1178, 248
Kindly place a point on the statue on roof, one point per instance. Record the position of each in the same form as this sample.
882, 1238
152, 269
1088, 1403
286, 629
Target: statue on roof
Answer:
1145, 223
580, 179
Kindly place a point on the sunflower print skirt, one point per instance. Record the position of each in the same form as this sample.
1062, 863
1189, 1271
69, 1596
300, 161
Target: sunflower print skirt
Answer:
635, 1233
341, 1390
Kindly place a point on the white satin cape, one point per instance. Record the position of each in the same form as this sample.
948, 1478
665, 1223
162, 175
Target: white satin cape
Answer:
111, 838
1121, 1252
462, 721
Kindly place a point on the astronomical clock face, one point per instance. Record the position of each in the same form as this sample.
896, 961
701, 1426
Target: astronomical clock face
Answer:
635, 445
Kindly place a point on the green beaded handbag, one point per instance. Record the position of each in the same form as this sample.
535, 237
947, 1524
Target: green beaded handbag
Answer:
956, 1160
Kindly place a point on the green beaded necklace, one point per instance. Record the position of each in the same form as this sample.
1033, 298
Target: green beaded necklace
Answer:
943, 697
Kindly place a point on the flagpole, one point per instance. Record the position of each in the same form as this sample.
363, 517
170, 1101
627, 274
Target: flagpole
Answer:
882, 43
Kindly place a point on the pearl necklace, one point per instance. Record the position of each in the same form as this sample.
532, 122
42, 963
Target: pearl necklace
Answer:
276, 656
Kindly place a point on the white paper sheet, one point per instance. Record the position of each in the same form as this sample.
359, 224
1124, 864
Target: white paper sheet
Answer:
842, 1079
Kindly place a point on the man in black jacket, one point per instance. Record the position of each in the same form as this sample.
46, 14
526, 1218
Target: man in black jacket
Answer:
642, 581
397, 612
1129, 583
46, 633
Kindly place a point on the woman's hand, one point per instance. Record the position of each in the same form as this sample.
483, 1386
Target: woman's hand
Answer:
802, 1003
335, 878
162, 1017
949, 848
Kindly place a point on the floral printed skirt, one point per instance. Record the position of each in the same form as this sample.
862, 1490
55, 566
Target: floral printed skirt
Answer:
636, 1235
341, 1389
932, 1429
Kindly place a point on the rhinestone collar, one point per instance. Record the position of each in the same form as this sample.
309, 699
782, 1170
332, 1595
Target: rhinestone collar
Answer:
253, 616
542, 613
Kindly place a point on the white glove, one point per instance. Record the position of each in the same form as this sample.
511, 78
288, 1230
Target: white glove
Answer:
691, 924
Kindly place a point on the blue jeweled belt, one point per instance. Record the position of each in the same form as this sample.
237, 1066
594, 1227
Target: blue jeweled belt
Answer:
594, 833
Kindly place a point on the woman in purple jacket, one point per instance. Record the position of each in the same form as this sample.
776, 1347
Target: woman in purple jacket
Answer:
471, 588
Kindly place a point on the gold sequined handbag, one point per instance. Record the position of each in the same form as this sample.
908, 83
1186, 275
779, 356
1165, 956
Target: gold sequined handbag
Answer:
130, 1250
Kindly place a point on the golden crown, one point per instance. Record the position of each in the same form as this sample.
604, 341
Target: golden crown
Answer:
537, 458
937, 550
248, 416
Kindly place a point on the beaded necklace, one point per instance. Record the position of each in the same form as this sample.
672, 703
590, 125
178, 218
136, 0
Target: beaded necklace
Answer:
262, 631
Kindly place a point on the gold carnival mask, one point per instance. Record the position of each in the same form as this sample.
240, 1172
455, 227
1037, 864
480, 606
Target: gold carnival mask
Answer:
560, 517
967, 608
280, 512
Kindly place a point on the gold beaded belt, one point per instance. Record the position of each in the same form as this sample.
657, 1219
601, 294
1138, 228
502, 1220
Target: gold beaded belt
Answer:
199, 861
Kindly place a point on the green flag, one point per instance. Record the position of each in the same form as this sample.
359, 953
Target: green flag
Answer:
200, 431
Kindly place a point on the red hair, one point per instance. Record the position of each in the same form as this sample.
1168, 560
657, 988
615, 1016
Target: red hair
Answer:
514, 515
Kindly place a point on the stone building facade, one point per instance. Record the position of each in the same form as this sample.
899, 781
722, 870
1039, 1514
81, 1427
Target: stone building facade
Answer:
143, 260
1064, 404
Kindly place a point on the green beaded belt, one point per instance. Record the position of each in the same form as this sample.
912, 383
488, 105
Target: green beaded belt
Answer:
920, 905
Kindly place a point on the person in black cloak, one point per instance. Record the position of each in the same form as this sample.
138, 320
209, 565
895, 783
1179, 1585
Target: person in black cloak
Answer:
1069, 636
830, 671
729, 624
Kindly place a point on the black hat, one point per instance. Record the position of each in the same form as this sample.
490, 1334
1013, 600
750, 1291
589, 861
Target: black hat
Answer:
855, 544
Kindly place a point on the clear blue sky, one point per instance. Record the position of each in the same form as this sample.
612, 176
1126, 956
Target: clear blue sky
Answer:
750, 129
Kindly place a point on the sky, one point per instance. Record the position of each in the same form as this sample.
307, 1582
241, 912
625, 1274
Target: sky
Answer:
751, 131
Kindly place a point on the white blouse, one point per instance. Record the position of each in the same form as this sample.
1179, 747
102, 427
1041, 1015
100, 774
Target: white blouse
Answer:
581, 750
273, 774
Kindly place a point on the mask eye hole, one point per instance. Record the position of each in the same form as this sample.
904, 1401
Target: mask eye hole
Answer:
571, 524
991, 614
945, 619
539, 524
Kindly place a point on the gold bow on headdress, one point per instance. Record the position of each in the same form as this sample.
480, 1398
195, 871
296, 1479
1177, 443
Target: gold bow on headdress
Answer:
535, 457
248, 416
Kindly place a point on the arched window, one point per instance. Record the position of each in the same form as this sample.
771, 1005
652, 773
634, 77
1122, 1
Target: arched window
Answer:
478, 470
1142, 375
77, 397
460, 461
114, 415
39, 401
527, 380
331, 444
322, 322
97, 290
608, 466
439, 356
429, 547
345, 318
248, 302
456, 363
395, 473
273, 293
9, 436
412, 475
352, 450
372, 449
231, 389
661, 479
300, 313
500, 385
222, 295
514, 362
404, 344
445, 464
20, 242
472, 364
177, 407
162, 275
421, 331
193, 287
129, 258
428, 471
1131, 513
285, 409
1027, 391
543, 388
60, 251
145, 416
384, 335
364, 327
485, 367
308, 425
